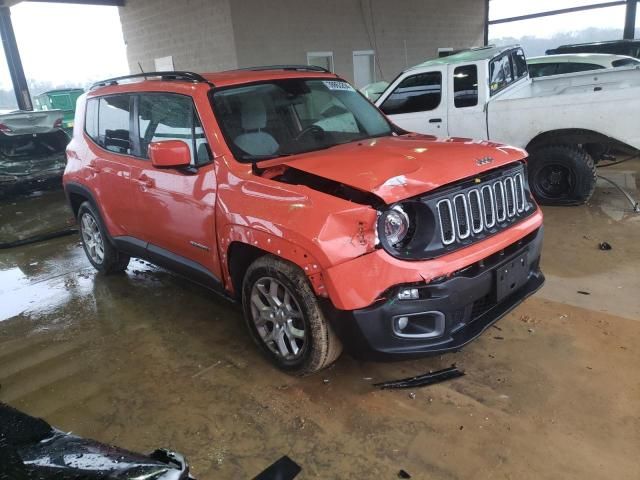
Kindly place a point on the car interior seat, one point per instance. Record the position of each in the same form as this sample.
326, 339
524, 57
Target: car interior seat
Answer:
254, 140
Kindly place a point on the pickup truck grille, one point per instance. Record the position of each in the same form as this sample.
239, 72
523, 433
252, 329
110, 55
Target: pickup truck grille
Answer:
476, 211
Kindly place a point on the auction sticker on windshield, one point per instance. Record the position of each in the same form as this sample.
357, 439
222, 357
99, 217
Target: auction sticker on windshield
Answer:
335, 85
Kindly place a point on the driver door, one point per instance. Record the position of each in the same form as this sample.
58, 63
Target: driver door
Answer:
417, 102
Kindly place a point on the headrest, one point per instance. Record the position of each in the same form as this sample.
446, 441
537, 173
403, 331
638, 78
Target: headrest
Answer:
253, 113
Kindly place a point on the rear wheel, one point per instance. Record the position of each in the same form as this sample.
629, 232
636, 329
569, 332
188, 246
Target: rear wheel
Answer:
100, 252
561, 175
284, 318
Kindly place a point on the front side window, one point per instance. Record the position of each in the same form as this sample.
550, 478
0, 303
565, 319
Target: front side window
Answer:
465, 86
287, 117
500, 74
113, 124
417, 93
166, 116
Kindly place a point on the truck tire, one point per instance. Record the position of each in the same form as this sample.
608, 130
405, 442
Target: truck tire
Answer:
101, 253
284, 318
561, 175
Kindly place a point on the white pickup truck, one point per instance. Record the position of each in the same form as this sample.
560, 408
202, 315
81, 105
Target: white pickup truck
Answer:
566, 122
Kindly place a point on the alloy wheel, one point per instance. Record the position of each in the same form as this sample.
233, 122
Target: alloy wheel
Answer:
92, 238
278, 318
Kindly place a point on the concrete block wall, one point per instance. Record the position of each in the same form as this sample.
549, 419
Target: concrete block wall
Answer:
283, 31
211, 35
197, 33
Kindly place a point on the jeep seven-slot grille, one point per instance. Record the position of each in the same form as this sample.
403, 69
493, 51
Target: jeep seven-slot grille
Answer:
487, 207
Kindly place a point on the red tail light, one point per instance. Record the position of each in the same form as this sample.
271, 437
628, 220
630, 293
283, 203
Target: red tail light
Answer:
5, 128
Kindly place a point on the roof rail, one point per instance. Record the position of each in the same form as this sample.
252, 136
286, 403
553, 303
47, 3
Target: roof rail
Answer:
170, 75
300, 68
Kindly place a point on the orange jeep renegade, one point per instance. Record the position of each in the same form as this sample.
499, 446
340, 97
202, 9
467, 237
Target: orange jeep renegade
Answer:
285, 189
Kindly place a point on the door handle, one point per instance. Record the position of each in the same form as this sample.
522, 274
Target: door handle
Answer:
145, 181
435, 120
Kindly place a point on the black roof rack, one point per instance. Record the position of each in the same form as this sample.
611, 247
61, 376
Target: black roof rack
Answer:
299, 68
180, 76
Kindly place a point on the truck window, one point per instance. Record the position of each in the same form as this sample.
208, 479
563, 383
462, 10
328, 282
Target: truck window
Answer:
500, 74
465, 86
417, 93
168, 116
519, 63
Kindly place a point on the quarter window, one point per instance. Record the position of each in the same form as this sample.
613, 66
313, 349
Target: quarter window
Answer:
171, 117
91, 119
418, 93
465, 86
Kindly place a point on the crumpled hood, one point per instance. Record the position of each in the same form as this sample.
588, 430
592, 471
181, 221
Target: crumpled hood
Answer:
395, 168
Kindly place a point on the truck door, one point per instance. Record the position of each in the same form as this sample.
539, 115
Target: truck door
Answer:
467, 116
417, 102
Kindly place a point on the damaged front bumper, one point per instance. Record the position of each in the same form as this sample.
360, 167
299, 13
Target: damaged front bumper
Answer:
447, 314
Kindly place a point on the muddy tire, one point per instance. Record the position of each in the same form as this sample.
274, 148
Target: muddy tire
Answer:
95, 241
284, 318
561, 175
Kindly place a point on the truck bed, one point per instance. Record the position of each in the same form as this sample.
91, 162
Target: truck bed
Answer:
605, 101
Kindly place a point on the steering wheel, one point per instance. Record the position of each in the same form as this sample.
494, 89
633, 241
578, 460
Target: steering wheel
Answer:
309, 130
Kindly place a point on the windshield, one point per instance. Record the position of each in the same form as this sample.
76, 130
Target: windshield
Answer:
286, 117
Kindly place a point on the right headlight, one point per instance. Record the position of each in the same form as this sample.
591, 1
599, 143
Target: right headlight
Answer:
393, 226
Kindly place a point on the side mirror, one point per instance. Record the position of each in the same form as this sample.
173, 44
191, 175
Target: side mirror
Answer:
169, 154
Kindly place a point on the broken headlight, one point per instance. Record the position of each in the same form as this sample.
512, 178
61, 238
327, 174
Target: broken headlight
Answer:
405, 229
393, 226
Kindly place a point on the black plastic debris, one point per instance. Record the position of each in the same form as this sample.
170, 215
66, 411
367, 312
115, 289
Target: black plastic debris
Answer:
422, 380
31, 449
403, 474
283, 469
582, 292
605, 246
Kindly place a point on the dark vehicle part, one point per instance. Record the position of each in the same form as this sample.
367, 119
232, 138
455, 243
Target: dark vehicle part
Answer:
422, 380
31, 162
31, 449
283, 469
630, 48
561, 175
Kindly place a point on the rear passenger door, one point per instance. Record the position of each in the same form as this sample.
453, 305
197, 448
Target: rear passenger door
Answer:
176, 206
417, 102
107, 123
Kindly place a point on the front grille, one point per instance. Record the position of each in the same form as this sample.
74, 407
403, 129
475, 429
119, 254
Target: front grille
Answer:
462, 213
489, 205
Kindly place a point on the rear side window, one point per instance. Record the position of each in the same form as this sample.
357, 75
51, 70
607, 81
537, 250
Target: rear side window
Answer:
543, 69
625, 62
577, 67
465, 86
107, 122
418, 93
171, 117
519, 62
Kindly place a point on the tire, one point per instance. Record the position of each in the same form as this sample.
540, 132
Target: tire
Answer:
95, 241
561, 175
318, 347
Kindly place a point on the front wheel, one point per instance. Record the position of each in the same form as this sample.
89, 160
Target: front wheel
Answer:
284, 318
561, 175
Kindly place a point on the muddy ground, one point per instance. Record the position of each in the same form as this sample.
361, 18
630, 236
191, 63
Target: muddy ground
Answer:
147, 359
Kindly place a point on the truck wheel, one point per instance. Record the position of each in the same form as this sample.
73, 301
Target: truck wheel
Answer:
100, 252
561, 175
284, 318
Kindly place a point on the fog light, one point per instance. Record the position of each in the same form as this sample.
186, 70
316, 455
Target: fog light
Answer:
402, 323
408, 294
